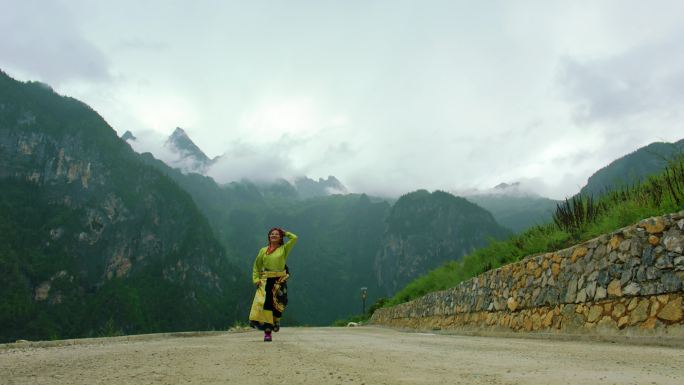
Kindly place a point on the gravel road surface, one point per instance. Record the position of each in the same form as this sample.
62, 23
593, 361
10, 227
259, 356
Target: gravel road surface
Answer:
363, 355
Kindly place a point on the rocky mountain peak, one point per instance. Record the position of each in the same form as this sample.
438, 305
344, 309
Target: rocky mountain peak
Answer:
182, 142
128, 136
179, 131
507, 186
190, 157
308, 188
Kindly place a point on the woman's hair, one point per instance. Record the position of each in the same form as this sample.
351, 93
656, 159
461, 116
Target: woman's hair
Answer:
279, 230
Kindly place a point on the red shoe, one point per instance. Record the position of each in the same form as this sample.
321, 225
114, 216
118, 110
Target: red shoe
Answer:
267, 337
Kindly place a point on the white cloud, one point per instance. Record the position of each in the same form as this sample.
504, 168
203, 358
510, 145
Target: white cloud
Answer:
645, 79
293, 115
258, 163
40, 40
387, 96
153, 142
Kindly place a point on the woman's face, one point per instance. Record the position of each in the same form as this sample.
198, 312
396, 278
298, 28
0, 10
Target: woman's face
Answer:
274, 236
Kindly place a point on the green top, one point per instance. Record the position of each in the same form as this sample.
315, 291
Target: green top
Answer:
274, 261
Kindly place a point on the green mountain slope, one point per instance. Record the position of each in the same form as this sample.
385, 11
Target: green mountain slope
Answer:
632, 168
93, 240
338, 237
424, 230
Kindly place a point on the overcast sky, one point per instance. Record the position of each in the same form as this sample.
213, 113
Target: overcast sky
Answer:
388, 96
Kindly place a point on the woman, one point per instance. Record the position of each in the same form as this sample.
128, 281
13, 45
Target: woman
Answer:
270, 276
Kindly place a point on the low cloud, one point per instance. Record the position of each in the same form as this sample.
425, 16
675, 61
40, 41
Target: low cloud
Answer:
258, 163
286, 158
153, 142
38, 39
646, 79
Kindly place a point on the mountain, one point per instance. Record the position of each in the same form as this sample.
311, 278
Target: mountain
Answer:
633, 167
341, 238
190, 157
517, 213
303, 188
514, 208
128, 136
424, 230
179, 151
337, 234
94, 241
309, 188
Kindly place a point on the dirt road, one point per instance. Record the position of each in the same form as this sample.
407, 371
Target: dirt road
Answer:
364, 355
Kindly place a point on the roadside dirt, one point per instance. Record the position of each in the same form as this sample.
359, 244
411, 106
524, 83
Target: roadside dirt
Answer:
365, 355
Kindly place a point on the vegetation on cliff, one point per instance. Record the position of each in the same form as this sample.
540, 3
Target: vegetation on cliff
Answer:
92, 240
632, 168
426, 229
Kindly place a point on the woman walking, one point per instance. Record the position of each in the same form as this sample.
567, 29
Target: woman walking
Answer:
270, 275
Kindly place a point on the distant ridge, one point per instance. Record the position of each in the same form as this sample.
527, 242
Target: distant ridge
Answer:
307, 188
128, 136
513, 207
632, 168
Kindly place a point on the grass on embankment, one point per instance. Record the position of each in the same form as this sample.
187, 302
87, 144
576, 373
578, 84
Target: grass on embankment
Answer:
576, 220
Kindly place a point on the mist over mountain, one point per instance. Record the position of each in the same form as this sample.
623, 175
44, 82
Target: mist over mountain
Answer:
514, 206
180, 152
192, 159
309, 188
632, 168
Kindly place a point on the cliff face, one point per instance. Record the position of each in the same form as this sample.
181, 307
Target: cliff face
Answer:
89, 225
425, 230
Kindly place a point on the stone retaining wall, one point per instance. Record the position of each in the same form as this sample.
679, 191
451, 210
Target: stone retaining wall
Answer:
628, 282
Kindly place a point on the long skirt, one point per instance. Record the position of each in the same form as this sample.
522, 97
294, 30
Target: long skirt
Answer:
269, 301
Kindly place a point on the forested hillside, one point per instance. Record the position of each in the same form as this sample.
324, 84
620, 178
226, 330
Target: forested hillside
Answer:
424, 230
632, 168
93, 241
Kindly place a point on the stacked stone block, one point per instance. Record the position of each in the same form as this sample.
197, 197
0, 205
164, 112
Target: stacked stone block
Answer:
629, 280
